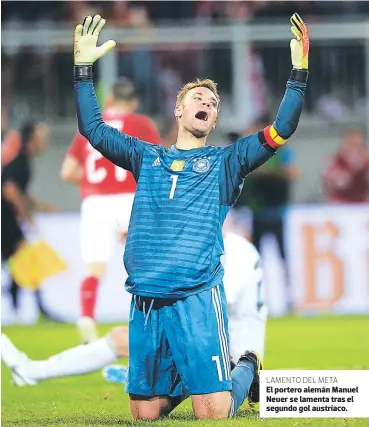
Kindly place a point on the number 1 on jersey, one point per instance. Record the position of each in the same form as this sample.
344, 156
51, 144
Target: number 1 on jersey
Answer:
174, 178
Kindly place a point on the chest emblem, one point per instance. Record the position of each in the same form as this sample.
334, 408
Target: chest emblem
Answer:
201, 165
177, 165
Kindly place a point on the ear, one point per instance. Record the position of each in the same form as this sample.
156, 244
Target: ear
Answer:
215, 124
178, 111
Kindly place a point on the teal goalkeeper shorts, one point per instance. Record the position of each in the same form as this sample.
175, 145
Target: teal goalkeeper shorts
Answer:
178, 346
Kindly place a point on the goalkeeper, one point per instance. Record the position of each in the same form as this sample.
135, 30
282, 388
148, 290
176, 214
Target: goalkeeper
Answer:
178, 329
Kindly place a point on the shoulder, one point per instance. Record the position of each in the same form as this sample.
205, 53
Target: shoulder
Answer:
226, 149
155, 149
214, 150
240, 141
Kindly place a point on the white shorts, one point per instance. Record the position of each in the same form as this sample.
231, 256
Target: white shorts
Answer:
102, 219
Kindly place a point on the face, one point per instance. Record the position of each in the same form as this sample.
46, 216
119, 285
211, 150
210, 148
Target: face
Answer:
198, 111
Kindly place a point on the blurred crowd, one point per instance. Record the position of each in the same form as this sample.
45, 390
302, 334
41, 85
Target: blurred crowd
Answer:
137, 12
336, 94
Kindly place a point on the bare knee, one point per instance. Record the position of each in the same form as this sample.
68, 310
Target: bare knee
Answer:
142, 413
96, 269
119, 337
212, 406
148, 408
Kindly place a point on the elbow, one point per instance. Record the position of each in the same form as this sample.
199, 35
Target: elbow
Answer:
71, 177
82, 129
286, 129
66, 177
289, 129
90, 125
92, 132
70, 172
293, 123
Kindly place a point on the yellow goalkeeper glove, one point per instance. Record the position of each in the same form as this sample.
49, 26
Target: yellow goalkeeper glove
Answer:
299, 45
86, 51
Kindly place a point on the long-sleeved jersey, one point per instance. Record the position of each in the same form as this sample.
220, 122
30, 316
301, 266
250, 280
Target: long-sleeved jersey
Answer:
174, 241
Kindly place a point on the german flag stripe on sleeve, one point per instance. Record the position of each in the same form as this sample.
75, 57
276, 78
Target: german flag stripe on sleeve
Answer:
272, 138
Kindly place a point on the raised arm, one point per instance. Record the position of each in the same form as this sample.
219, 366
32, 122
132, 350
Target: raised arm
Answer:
250, 152
121, 149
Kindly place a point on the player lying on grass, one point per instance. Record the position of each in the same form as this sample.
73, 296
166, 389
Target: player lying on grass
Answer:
178, 327
247, 319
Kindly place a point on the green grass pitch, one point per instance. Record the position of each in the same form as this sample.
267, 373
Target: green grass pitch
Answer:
301, 343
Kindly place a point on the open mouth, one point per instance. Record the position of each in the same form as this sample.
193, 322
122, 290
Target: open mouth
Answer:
202, 115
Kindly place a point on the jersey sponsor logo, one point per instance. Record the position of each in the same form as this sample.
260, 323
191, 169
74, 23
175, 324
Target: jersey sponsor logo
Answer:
201, 165
156, 162
177, 165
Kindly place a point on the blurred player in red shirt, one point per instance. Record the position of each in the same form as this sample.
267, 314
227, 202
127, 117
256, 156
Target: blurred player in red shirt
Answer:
107, 193
346, 177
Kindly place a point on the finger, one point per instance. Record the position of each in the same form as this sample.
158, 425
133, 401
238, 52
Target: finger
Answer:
106, 47
296, 33
295, 23
302, 24
78, 31
298, 17
99, 27
95, 22
86, 25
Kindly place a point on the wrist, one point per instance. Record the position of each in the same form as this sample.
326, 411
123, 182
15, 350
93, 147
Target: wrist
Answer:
82, 72
299, 75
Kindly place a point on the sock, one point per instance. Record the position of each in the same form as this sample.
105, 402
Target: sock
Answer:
88, 296
82, 359
242, 377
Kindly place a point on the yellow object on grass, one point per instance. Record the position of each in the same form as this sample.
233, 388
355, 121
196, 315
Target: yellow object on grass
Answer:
35, 262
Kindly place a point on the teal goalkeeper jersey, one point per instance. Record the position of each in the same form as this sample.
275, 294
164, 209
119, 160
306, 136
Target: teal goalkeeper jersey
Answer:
174, 241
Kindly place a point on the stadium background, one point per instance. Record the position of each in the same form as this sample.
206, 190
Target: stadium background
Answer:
244, 47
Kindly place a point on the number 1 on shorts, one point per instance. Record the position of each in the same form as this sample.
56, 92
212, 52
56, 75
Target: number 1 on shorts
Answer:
216, 360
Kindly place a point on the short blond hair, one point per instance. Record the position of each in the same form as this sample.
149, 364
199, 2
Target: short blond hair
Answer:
208, 83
